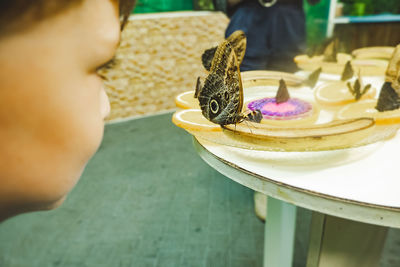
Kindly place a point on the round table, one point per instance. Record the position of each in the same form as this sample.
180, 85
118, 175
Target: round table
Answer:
353, 194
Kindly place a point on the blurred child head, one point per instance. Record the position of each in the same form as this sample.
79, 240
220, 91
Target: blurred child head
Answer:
52, 102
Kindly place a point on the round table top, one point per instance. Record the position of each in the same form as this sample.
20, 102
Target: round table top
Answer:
360, 184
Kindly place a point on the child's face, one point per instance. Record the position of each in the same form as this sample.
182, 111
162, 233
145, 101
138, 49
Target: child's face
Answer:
52, 103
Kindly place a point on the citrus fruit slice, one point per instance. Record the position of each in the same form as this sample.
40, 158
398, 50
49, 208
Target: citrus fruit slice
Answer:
186, 100
338, 94
193, 120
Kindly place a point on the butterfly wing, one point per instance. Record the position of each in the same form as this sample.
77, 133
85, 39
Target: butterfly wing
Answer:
313, 78
226, 64
348, 72
238, 41
240, 85
331, 50
388, 98
394, 65
211, 100
221, 98
207, 56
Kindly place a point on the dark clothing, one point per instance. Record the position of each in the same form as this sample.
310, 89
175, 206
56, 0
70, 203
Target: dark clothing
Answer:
275, 35
296, 3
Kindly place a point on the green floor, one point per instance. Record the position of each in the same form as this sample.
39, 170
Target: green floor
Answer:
147, 199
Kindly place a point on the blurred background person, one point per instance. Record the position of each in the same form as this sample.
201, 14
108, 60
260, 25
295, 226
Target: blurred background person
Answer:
275, 30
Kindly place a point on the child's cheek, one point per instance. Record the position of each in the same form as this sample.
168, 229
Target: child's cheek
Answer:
104, 104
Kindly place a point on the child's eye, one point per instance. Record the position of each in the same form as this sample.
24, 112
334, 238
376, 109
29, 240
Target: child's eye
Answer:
102, 70
109, 64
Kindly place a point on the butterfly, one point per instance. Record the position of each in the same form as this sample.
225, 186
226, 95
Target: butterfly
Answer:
358, 89
328, 49
348, 72
331, 50
221, 96
237, 40
312, 79
388, 98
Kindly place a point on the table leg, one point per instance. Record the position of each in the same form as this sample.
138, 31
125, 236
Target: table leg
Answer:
279, 235
339, 242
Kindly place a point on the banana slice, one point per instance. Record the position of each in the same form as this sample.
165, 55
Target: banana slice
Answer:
373, 52
311, 63
333, 135
261, 77
370, 67
366, 108
248, 135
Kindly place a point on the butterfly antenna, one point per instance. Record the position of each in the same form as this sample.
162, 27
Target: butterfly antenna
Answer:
249, 121
247, 124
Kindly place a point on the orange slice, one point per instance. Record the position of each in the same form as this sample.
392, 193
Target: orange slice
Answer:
337, 94
186, 100
366, 108
193, 120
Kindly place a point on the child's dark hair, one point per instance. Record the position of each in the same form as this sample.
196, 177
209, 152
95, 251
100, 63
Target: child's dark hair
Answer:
27, 11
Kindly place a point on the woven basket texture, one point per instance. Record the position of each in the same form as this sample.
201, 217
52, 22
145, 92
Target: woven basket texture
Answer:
158, 58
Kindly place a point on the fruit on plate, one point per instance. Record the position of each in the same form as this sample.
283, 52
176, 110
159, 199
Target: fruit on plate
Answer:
261, 77
370, 67
385, 110
282, 110
373, 52
366, 108
332, 135
337, 93
193, 120
186, 100
311, 63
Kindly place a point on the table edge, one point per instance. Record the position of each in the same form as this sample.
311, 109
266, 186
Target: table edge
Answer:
323, 203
